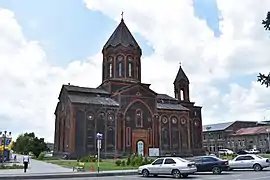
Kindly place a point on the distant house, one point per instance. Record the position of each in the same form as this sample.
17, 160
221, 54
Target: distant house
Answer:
249, 138
50, 146
215, 136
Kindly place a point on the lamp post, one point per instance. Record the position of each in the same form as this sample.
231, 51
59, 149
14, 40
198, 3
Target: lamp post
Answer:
268, 137
99, 138
4, 146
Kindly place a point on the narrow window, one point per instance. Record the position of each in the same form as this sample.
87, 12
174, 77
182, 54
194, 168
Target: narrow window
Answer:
110, 69
150, 136
182, 97
138, 118
137, 71
128, 136
120, 69
129, 69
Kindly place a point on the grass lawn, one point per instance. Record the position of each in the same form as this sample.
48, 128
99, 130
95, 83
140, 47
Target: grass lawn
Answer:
103, 166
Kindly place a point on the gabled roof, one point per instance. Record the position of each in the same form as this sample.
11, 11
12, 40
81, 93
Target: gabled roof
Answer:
142, 85
166, 97
217, 127
181, 75
97, 100
252, 130
121, 36
71, 88
168, 106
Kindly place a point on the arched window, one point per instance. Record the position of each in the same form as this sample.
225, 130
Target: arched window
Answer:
139, 119
110, 70
130, 66
137, 71
182, 97
120, 69
129, 69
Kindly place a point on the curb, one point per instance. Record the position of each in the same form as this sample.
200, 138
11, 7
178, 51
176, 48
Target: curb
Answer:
67, 175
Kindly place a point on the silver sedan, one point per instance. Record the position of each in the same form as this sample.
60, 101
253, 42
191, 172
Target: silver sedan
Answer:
249, 161
169, 166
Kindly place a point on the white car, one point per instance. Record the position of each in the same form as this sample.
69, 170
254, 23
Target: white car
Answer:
249, 161
169, 166
226, 152
253, 151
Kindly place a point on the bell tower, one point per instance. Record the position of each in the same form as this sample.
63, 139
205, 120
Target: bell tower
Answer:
181, 86
121, 57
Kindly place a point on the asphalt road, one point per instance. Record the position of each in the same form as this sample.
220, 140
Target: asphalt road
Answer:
235, 175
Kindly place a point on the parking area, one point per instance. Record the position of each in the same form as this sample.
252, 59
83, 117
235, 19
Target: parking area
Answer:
234, 175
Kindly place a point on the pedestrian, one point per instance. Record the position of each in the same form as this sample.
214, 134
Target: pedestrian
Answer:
25, 162
15, 158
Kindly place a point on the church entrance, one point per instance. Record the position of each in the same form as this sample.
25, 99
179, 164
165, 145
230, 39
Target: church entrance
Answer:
140, 148
139, 137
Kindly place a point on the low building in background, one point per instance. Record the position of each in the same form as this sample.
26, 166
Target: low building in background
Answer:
217, 136
50, 146
250, 138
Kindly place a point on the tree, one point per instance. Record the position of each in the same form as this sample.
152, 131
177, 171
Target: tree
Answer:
28, 142
262, 78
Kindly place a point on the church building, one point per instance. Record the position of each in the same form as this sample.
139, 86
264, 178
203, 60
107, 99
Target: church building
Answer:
131, 116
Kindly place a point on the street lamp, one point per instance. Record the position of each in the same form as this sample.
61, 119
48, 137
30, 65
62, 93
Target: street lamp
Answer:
4, 146
268, 137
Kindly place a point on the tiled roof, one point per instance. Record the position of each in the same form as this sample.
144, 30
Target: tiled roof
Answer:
165, 97
252, 130
217, 127
181, 75
92, 100
72, 88
121, 36
168, 106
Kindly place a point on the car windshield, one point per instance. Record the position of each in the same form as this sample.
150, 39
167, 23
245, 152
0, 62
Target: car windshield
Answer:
260, 157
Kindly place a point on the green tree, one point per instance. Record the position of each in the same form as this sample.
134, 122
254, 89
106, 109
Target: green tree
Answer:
262, 78
28, 142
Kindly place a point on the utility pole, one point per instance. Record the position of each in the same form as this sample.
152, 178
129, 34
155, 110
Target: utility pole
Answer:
4, 146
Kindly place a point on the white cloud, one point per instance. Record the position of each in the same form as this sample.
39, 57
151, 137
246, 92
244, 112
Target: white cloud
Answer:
177, 35
30, 85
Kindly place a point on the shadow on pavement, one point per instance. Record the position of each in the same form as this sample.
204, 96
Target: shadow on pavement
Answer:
162, 177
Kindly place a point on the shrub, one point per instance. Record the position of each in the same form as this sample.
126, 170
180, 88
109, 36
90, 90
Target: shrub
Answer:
133, 163
41, 156
118, 162
146, 161
123, 163
128, 161
139, 160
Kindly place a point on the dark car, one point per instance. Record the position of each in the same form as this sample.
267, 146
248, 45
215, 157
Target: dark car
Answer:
211, 164
242, 152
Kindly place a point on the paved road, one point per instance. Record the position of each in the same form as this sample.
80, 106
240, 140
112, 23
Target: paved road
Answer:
36, 166
235, 175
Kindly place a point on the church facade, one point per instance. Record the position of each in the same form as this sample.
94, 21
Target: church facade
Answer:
132, 117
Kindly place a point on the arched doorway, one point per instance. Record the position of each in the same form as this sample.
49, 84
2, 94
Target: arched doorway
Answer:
140, 148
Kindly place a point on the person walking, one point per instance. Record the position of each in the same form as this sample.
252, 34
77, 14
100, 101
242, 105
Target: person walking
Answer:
25, 162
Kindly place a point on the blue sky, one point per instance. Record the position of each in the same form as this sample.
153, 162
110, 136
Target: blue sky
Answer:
69, 31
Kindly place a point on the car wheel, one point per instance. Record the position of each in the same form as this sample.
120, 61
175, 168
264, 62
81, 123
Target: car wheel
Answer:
184, 175
145, 173
216, 170
176, 173
257, 167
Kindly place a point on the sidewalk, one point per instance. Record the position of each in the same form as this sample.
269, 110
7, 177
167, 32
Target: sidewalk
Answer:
67, 175
36, 166
42, 170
